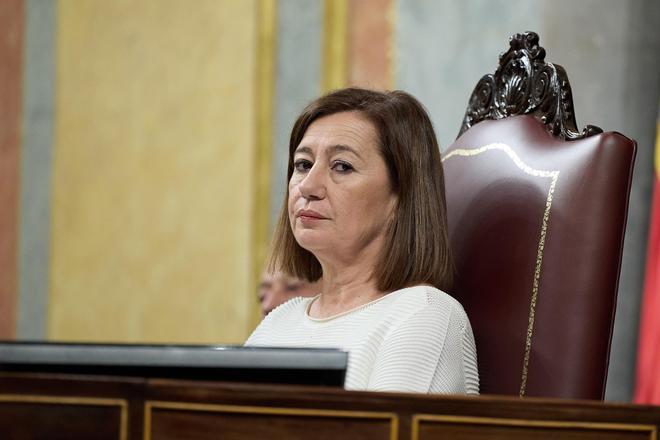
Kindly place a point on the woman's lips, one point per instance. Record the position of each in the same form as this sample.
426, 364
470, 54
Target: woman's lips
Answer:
306, 215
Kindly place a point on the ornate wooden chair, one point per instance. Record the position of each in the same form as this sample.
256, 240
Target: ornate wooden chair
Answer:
537, 215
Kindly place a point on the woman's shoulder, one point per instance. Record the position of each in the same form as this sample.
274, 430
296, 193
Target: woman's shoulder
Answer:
425, 297
283, 317
287, 310
426, 308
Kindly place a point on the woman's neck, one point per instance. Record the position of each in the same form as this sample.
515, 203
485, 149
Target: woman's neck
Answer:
344, 289
348, 278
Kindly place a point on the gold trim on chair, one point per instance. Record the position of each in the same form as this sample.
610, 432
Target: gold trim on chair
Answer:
465, 420
554, 176
281, 411
66, 400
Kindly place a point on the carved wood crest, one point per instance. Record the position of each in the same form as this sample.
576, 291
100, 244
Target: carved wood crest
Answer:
525, 84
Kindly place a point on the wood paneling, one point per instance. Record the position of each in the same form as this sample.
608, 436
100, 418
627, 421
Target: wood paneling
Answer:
466, 428
185, 420
172, 409
54, 417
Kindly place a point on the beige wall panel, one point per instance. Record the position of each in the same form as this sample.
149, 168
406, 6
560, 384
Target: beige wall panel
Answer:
153, 171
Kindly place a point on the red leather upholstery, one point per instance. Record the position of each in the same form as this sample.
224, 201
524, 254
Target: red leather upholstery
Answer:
536, 227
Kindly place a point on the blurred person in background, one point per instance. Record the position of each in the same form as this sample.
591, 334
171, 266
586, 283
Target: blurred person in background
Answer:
277, 288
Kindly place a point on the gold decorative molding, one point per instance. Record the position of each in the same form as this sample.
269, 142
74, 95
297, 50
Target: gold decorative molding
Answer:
335, 44
553, 176
66, 400
150, 405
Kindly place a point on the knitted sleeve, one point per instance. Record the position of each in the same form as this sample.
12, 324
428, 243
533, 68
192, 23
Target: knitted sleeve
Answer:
426, 353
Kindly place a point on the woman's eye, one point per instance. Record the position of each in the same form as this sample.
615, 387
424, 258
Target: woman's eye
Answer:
302, 165
292, 287
342, 167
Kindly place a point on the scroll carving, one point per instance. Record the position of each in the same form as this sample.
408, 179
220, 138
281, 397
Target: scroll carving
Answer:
525, 84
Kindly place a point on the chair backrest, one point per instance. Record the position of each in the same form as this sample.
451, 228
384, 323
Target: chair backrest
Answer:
537, 215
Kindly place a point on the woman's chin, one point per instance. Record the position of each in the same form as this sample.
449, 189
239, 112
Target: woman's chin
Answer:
311, 240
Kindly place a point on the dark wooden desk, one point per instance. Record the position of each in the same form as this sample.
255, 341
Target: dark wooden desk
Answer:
36, 406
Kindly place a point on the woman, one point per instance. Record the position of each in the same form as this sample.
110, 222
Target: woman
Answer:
365, 210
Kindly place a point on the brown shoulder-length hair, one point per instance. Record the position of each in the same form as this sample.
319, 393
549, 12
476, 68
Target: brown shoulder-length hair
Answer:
416, 249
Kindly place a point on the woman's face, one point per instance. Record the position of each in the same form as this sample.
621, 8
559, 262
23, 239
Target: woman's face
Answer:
340, 195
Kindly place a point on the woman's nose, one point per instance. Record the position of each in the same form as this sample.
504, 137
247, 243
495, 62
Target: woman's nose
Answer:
312, 187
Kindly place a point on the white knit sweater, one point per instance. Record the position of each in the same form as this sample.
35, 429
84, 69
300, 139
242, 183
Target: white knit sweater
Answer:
416, 339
